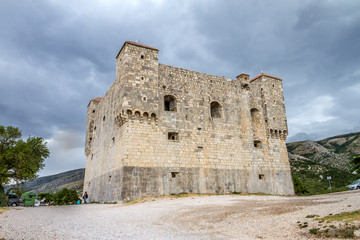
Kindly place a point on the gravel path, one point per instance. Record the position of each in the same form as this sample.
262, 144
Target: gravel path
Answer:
205, 217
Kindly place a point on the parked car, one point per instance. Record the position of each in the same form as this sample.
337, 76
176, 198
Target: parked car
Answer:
13, 200
39, 203
355, 185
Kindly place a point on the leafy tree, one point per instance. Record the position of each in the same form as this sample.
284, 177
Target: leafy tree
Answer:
66, 196
355, 161
3, 200
8, 137
47, 197
300, 188
20, 160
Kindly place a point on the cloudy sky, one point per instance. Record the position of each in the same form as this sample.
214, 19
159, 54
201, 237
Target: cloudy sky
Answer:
57, 55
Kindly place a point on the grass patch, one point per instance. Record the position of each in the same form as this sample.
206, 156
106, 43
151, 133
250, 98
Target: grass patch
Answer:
303, 225
314, 230
312, 216
342, 217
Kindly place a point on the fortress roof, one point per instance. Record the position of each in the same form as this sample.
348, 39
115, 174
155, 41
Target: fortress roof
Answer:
264, 74
98, 99
137, 44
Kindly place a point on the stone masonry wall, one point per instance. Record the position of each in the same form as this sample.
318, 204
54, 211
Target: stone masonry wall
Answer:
162, 130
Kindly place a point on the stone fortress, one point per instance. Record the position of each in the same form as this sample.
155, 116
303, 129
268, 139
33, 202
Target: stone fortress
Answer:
162, 130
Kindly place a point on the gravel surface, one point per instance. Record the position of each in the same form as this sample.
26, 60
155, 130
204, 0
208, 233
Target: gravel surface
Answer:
199, 217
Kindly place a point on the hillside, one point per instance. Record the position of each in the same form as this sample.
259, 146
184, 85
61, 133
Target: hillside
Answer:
73, 179
313, 161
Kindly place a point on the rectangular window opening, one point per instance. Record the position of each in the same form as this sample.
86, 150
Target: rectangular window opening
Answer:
173, 136
257, 144
261, 176
174, 174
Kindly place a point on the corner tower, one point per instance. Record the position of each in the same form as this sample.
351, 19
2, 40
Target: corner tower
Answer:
268, 98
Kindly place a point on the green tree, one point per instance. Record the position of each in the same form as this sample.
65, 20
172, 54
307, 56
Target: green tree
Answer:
66, 196
355, 161
300, 188
8, 138
20, 160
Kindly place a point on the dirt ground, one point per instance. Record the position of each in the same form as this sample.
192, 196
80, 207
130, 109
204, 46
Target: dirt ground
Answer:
193, 217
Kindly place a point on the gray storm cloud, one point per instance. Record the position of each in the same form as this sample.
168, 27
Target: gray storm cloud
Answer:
57, 55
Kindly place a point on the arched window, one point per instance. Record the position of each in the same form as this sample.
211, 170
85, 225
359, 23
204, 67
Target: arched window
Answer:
216, 109
169, 103
137, 115
145, 115
153, 117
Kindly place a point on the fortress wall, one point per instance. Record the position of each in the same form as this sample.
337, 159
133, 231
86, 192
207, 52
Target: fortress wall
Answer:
214, 151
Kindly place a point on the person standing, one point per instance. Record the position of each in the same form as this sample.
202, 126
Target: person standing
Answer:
85, 197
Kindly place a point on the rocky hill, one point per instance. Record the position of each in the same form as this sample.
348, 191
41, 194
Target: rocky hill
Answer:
313, 161
73, 179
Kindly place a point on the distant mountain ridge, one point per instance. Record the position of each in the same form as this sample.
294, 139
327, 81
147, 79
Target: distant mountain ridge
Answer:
313, 161
73, 179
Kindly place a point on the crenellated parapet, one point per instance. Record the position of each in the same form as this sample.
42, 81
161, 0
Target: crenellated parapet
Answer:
275, 133
132, 115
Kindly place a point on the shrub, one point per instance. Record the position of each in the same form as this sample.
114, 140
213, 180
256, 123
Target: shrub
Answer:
47, 197
299, 188
65, 196
3, 200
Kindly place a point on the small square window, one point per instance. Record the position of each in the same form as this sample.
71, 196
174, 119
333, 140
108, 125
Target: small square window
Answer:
257, 144
142, 56
261, 176
144, 99
173, 136
174, 174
